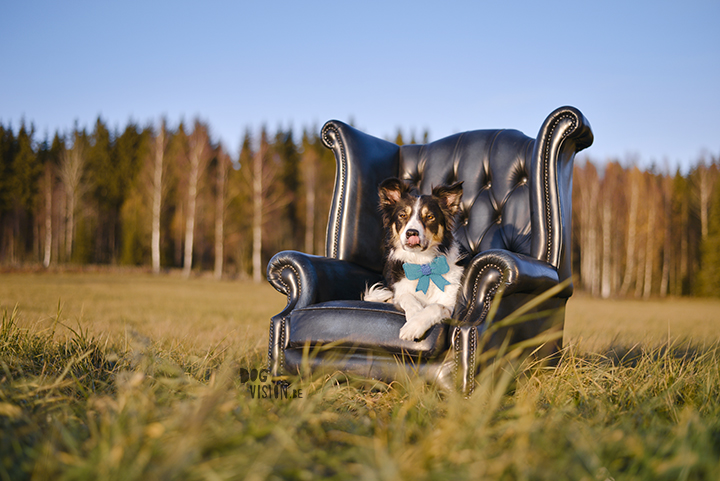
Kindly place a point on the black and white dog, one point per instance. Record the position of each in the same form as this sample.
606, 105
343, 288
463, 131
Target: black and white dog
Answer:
422, 269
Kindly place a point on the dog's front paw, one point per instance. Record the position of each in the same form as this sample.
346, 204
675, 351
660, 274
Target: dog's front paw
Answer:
417, 324
413, 330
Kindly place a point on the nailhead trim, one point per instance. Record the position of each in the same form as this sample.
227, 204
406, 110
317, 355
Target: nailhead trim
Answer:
488, 298
278, 275
270, 344
546, 173
471, 361
342, 187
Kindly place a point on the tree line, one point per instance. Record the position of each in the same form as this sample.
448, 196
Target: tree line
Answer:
644, 233
172, 198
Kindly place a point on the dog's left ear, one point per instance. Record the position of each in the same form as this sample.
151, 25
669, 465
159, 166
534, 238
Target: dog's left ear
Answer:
450, 196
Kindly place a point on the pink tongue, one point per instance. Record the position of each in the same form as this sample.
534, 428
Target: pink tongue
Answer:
413, 240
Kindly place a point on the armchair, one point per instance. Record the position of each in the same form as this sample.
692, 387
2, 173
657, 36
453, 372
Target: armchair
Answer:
514, 222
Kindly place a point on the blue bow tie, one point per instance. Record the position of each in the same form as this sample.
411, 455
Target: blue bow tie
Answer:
428, 272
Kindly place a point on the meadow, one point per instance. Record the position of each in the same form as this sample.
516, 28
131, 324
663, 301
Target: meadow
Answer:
125, 375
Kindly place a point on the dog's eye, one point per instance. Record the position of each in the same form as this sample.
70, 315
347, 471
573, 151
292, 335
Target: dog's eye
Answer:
430, 216
402, 215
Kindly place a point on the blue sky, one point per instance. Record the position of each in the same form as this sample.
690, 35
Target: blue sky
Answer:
645, 73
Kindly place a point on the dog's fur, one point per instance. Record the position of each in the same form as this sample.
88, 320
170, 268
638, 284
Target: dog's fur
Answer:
418, 228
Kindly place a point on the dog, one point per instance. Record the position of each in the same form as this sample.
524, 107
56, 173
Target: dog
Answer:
423, 261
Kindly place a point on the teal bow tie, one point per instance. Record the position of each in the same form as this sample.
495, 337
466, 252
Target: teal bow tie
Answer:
428, 272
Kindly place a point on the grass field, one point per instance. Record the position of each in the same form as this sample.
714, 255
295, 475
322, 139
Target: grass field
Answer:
108, 376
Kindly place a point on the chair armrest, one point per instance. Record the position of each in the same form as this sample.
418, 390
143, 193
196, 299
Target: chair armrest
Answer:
307, 279
494, 269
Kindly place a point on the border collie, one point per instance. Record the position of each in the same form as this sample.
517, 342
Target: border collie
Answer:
422, 269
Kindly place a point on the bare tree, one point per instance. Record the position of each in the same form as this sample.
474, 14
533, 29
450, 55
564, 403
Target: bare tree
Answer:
650, 237
634, 178
667, 232
266, 200
606, 287
49, 184
223, 162
310, 161
72, 166
257, 184
161, 143
589, 190
706, 177
200, 153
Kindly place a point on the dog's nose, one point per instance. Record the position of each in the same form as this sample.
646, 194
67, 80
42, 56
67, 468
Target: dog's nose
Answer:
411, 232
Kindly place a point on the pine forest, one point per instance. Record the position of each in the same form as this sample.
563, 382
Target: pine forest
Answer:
169, 198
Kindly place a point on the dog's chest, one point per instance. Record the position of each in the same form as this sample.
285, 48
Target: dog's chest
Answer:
434, 295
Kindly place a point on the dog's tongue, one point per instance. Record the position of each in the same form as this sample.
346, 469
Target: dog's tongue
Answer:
413, 240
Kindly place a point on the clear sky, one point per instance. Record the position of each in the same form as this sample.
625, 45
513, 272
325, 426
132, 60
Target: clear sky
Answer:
645, 73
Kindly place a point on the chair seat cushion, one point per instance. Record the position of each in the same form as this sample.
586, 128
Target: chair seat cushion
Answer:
360, 325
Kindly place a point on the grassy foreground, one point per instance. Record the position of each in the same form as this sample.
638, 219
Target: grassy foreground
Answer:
136, 377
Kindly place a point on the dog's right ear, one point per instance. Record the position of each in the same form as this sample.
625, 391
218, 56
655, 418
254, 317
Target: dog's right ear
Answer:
390, 191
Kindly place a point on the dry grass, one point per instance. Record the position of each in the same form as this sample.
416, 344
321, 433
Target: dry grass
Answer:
594, 324
196, 313
201, 312
168, 402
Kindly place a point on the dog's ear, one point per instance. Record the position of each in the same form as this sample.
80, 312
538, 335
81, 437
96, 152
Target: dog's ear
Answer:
450, 196
390, 191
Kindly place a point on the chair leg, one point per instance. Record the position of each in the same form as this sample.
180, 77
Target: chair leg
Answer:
278, 343
465, 343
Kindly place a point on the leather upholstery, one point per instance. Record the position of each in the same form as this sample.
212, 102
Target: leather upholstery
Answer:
377, 328
514, 221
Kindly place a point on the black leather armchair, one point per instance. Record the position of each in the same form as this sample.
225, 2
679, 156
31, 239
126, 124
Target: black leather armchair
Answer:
514, 222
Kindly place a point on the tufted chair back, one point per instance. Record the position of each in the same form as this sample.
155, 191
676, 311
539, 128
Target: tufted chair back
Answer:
516, 192
494, 168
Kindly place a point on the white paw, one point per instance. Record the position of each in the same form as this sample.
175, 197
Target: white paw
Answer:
411, 331
417, 324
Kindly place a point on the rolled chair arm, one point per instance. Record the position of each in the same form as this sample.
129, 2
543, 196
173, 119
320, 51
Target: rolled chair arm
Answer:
307, 279
496, 269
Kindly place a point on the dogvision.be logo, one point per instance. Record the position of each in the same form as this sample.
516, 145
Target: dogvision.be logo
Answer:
260, 386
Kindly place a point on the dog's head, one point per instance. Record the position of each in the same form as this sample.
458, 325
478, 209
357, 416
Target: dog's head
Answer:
415, 222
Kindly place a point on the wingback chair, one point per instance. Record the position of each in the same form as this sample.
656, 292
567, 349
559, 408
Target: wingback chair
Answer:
514, 222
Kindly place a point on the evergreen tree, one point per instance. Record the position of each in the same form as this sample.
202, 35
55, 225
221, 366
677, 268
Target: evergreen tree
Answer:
292, 234
709, 275
103, 192
238, 229
25, 172
25, 169
130, 148
7, 149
